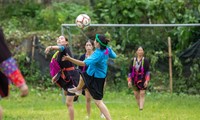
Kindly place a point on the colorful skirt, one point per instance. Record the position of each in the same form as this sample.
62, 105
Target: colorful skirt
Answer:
10, 69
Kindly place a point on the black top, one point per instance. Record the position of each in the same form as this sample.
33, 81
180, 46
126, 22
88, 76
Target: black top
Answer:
66, 63
146, 68
82, 68
4, 50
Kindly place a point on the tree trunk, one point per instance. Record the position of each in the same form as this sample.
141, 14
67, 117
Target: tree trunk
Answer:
46, 2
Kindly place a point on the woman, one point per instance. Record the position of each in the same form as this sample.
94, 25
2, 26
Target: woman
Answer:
139, 76
9, 72
67, 77
89, 50
96, 72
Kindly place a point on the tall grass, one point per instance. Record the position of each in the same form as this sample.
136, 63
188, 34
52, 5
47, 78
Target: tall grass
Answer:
48, 105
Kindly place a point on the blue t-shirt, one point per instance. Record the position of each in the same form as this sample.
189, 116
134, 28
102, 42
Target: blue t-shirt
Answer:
97, 62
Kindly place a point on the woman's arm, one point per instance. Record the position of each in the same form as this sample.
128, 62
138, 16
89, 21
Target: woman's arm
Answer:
47, 50
112, 54
147, 71
75, 61
129, 79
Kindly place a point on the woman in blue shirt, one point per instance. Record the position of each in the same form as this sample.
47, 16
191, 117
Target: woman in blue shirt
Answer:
96, 71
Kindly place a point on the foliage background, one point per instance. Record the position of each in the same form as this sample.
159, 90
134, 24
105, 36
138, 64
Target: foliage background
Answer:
24, 19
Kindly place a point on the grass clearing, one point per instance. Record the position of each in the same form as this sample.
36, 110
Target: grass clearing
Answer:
48, 105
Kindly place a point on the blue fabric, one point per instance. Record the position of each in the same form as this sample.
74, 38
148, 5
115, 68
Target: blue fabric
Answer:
61, 48
97, 62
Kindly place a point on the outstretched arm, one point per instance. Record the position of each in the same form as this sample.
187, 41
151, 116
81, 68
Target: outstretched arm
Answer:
112, 54
47, 50
75, 61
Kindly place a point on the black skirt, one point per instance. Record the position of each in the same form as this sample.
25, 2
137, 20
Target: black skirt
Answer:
70, 81
94, 85
4, 85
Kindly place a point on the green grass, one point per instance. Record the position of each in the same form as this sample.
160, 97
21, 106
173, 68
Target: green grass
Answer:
48, 105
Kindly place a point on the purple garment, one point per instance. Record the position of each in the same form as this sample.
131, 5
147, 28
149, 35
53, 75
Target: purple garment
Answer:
54, 67
8, 66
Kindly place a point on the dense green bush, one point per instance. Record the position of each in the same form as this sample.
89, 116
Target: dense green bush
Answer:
58, 13
40, 17
31, 71
154, 40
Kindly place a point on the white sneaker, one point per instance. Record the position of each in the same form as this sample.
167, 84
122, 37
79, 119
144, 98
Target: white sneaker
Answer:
79, 92
74, 90
102, 116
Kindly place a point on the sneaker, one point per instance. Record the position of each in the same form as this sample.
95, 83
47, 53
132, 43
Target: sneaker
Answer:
76, 98
102, 116
79, 92
74, 90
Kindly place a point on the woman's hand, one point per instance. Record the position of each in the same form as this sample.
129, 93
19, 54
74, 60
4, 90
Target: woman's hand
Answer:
48, 49
129, 84
66, 57
145, 83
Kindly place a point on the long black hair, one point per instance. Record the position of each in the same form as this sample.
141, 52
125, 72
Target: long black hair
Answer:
102, 40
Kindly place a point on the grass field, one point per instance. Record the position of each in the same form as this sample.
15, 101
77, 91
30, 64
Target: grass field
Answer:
48, 105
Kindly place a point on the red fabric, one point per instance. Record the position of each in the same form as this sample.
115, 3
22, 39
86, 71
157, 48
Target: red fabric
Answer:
147, 77
17, 78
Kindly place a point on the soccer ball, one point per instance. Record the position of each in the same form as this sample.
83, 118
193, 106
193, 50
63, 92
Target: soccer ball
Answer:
82, 21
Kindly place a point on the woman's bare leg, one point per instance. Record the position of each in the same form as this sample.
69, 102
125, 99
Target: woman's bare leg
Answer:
77, 89
70, 106
1, 113
80, 84
137, 97
88, 102
103, 109
142, 99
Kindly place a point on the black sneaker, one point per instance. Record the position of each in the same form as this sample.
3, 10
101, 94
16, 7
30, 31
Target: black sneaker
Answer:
76, 98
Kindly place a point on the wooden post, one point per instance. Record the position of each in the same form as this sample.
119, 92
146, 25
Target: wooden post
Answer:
170, 65
33, 48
